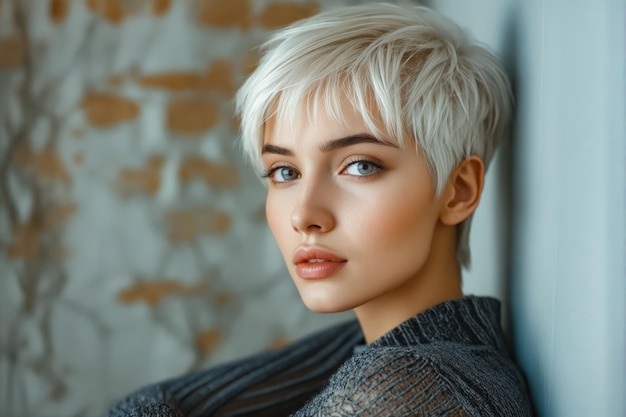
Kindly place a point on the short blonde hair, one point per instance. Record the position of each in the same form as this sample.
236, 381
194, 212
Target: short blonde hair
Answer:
405, 67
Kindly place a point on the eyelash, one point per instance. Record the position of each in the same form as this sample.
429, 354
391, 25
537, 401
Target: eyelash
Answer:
358, 159
269, 173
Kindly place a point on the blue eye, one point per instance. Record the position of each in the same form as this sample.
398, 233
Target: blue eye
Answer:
362, 168
282, 174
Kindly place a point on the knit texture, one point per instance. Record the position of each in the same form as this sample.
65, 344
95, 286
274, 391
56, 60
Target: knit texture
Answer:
449, 360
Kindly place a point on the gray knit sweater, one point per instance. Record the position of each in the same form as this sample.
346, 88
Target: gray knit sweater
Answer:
449, 360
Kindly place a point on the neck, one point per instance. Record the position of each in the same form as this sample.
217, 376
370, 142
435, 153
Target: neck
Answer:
437, 281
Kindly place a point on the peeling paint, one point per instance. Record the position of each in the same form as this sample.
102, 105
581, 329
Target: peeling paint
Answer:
47, 164
277, 15
186, 226
59, 9
105, 109
150, 292
141, 181
191, 116
214, 174
12, 52
161, 7
209, 340
224, 14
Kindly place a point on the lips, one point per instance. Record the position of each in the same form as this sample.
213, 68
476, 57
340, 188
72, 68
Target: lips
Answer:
314, 263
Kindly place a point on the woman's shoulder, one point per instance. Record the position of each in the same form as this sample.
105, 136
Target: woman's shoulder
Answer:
434, 379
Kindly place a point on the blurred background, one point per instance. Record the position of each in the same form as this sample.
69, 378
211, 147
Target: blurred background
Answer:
133, 242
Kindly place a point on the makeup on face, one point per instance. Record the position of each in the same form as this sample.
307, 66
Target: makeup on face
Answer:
354, 215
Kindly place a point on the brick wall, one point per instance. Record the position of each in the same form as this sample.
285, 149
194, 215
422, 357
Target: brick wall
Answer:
133, 244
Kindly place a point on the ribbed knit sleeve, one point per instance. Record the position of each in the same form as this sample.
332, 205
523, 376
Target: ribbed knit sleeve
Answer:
275, 383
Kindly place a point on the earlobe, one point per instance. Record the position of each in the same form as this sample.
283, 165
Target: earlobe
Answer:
463, 190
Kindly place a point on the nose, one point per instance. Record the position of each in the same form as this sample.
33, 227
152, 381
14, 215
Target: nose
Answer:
312, 211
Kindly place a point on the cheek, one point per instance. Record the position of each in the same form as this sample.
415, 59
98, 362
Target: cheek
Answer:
398, 221
277, 214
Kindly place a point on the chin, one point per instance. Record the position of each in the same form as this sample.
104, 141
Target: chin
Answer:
324, 305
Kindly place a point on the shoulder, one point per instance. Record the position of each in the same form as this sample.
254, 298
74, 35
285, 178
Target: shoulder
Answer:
482, 378
384, 382
433, 380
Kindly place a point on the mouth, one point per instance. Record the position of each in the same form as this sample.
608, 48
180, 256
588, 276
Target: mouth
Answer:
314, 263
306, 255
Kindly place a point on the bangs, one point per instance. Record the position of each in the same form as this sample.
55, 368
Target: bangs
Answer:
331, 97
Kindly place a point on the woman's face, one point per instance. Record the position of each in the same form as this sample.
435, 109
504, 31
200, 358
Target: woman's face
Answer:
354, 217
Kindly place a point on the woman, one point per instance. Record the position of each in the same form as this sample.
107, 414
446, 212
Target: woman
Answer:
373, 126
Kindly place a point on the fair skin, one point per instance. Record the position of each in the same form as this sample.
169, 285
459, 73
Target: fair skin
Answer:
357, 220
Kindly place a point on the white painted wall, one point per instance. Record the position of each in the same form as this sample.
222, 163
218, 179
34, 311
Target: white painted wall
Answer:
565, 284
565, 275
568, 282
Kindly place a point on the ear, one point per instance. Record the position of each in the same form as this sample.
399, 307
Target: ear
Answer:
462, 192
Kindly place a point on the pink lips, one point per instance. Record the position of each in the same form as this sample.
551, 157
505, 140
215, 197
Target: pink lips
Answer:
314, 263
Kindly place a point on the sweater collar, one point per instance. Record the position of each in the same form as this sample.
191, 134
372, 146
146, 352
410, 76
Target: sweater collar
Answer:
469, 320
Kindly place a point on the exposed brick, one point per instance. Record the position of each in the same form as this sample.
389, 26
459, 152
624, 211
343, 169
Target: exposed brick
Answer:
224, 14
217, 78
185, 226
196, 289
146, 181
191, 116
110, 10
154, 292
174, 81
12, 52
251, 61
279, 342
224, 299
208, 341
281, 14
150, 292
92, 5
214, 174
105, 110
58, 10
235, 124
117, 80
161, 7
58, 215
47, 164
26, 240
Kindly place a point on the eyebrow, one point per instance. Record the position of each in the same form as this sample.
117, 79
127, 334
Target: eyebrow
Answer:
331, 145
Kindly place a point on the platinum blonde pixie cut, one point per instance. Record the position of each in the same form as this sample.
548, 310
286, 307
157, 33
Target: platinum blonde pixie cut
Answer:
405, 68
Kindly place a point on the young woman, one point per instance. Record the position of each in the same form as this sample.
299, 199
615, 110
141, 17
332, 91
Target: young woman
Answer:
373, 126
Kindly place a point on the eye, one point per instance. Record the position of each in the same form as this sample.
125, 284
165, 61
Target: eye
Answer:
281, 174
362, 168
